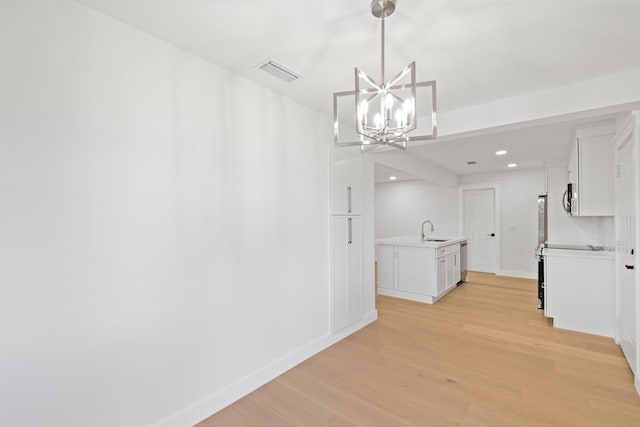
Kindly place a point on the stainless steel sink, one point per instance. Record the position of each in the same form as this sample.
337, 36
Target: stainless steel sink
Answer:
435, 240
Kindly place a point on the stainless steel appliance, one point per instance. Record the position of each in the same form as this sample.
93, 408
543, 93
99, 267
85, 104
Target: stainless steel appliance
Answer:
570, 199
542, 219
463, 261
542, 240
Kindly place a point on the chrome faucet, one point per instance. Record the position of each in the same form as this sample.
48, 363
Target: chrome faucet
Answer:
422, 228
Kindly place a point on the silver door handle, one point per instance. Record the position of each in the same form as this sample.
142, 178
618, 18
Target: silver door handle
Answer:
348, 199
350, 231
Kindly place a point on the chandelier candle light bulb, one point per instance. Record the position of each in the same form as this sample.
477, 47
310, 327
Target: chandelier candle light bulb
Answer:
364, 109
400, 118
377, 120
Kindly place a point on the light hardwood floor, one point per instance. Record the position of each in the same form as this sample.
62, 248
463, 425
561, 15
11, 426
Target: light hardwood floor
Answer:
482, 356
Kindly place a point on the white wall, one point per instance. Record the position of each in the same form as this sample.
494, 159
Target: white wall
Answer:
163, 222
416, 167
401, 207
588, 98
574, 229
518, 233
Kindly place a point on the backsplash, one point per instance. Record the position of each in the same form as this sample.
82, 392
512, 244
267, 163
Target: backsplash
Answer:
596, 230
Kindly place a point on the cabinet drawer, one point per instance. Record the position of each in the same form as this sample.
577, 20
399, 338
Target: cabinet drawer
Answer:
446, 250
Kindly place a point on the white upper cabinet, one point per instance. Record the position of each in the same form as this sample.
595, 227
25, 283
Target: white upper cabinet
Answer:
591, 171
573, 163
346, 181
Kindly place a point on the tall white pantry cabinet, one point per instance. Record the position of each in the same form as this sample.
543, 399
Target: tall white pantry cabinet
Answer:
346, 237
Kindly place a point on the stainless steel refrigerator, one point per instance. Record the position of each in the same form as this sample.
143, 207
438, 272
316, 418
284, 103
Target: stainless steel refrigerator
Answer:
542, 240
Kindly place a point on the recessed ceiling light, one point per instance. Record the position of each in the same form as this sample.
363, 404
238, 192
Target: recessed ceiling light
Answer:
501, 152
392, 178
512, 165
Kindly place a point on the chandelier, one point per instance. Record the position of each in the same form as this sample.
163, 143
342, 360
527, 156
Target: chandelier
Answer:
386, 112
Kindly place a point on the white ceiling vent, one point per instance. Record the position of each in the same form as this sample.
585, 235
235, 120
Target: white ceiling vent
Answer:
280, 71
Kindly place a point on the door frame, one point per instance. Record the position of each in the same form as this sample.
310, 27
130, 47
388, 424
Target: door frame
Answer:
495, 186
632, 124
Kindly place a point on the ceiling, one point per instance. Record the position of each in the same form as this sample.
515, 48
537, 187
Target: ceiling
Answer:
382, 173
478, 51
530, 147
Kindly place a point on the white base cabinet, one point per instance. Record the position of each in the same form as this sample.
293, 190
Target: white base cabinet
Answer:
418, 274
347, 287
580, 292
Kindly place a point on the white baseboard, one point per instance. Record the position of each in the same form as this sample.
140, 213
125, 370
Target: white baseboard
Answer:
213, 403
413, 297
406, 295
520, 274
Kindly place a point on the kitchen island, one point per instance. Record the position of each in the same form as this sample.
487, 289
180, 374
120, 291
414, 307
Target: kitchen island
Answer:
416, 269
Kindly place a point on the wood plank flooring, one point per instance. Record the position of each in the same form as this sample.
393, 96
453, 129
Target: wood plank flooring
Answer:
482, 356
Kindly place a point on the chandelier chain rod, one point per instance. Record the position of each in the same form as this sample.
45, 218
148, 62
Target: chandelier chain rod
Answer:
382, 56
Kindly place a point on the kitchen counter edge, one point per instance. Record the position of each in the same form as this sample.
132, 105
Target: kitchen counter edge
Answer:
415, 242
578, 253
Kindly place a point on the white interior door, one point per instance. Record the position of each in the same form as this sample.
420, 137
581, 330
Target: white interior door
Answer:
479, 227
625, 230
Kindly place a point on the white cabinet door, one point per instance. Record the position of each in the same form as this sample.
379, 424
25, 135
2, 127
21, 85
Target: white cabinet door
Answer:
572, 172
449, 264
590, 170
595, 187
387, 272
340, 273
346, 177
547, 290
456, 269
354, 279
346, 255
415, 270
441, 275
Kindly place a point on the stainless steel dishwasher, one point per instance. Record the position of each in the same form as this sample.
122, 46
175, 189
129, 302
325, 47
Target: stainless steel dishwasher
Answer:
463, 262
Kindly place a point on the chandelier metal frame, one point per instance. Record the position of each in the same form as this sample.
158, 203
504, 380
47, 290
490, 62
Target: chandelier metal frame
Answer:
383, 96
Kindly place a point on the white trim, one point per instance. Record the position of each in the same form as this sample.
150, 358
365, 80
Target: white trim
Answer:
412, 296
630, 126
222, 398
495, 186
623, 132
519, 274
636, 141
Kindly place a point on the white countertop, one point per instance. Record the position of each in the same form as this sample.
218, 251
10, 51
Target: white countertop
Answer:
578, 253
416, 242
